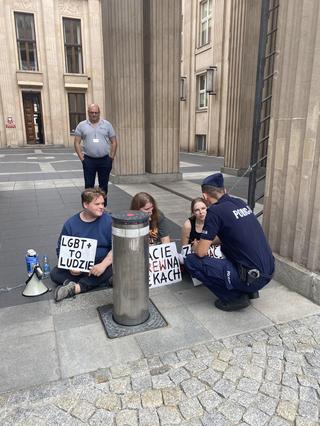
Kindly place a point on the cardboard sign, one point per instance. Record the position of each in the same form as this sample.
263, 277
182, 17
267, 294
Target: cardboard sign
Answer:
164, 265
77, 253
214, 251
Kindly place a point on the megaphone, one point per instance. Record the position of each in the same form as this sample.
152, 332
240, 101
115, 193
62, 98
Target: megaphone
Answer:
34, 285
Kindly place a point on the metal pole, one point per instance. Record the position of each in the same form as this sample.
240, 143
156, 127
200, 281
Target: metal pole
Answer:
130, 248
258, 100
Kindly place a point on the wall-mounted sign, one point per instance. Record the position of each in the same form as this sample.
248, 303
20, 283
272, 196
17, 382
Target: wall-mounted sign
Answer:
10, 124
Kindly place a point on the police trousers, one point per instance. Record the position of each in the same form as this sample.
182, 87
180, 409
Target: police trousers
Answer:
221, 277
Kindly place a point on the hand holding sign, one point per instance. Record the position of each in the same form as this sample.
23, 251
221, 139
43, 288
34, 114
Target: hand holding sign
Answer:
77, 254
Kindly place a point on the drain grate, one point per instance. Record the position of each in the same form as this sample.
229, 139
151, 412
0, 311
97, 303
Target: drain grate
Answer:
114, 330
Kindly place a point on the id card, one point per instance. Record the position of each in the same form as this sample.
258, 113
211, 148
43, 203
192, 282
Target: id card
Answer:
95, 140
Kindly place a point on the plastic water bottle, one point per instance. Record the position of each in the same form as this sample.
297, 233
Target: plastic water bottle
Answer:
45, 267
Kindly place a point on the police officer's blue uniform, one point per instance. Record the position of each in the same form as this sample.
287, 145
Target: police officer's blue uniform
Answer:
244, 245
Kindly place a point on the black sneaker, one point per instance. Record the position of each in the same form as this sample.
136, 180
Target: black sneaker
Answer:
67, 289
234, 305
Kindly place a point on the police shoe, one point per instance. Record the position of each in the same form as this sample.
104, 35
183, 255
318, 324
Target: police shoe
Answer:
67, 289
233, 305
254, 295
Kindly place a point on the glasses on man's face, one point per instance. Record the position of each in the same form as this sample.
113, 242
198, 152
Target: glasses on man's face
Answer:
93, 112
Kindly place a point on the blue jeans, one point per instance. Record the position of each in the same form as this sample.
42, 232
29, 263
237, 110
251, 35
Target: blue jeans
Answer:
221, 277
101, 166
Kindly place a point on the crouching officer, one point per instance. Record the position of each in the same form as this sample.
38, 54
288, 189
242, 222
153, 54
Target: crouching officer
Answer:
249, 263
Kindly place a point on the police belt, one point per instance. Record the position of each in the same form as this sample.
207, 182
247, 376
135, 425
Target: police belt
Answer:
249, 275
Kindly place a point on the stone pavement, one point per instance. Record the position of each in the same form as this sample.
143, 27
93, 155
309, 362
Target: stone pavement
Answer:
207, 367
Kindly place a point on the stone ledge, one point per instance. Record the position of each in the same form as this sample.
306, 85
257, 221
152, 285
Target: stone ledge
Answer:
146, 178
298, 278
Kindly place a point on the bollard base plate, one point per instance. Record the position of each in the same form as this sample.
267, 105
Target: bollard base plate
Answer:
114, 330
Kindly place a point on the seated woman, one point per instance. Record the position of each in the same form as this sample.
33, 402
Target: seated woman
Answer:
192, 228
158, 233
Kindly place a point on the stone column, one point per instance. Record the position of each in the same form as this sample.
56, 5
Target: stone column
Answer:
141, 54
292, 195
10, 97
122, 24
52, 99
241, 79
162, 79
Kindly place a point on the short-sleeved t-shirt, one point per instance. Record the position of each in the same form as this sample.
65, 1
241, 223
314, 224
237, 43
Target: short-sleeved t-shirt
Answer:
100, 230
96, 139
241, 235
160, 231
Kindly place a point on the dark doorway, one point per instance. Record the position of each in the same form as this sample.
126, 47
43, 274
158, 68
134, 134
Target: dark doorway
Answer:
33, 117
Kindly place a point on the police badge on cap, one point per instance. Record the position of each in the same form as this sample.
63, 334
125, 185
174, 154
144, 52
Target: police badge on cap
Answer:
214, 180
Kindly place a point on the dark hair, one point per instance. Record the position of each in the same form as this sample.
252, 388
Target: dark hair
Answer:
197, 200
212, 191
90, 194
140, 200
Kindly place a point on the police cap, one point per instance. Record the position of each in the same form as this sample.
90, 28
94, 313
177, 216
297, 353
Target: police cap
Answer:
214, 180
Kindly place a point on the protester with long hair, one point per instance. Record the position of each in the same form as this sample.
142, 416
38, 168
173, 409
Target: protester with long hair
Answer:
192, 228
158, 233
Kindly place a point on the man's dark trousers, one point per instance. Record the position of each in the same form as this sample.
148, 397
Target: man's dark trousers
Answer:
101, 166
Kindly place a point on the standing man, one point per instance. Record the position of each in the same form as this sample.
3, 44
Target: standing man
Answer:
98, 150
92, 222
249, 263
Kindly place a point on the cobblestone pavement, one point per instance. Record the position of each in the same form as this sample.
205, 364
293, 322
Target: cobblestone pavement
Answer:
268, 377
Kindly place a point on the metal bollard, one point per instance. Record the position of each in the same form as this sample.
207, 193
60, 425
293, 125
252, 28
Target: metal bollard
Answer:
130, 248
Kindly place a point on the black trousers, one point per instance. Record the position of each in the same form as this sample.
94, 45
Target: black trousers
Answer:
85, 281
93, 166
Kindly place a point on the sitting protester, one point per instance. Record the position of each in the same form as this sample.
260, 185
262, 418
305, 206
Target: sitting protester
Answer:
158, 233
249, 263
92, 222
192, 227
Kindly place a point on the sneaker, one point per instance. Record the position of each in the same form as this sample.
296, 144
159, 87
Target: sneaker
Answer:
67, 289
233, 305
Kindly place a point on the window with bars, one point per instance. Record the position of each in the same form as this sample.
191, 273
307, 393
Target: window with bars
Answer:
73, 45
77, 109
205, 22
26, 41
202, 91
201, 143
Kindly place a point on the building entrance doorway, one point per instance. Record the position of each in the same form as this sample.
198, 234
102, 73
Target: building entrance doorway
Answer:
33, 117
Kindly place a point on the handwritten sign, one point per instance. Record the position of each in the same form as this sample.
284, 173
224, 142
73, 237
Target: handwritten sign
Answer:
77, 253
214, 251
164, 265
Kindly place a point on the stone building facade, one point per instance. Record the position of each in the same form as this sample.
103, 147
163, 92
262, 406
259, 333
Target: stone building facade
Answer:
222, 34
51, 66
292, 196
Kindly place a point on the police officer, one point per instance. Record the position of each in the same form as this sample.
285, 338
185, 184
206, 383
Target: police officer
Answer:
249, 263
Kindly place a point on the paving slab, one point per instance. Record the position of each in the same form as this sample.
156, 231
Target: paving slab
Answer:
28, 361
25, 320
86, 348
224, 324
183, 330
280, 304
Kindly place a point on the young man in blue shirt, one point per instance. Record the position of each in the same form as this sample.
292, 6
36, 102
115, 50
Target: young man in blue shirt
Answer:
249, 263
92, 222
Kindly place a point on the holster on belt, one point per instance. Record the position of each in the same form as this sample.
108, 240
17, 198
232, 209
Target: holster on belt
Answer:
248, 275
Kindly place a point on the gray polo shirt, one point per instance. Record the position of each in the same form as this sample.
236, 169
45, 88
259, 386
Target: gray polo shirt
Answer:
96, 140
